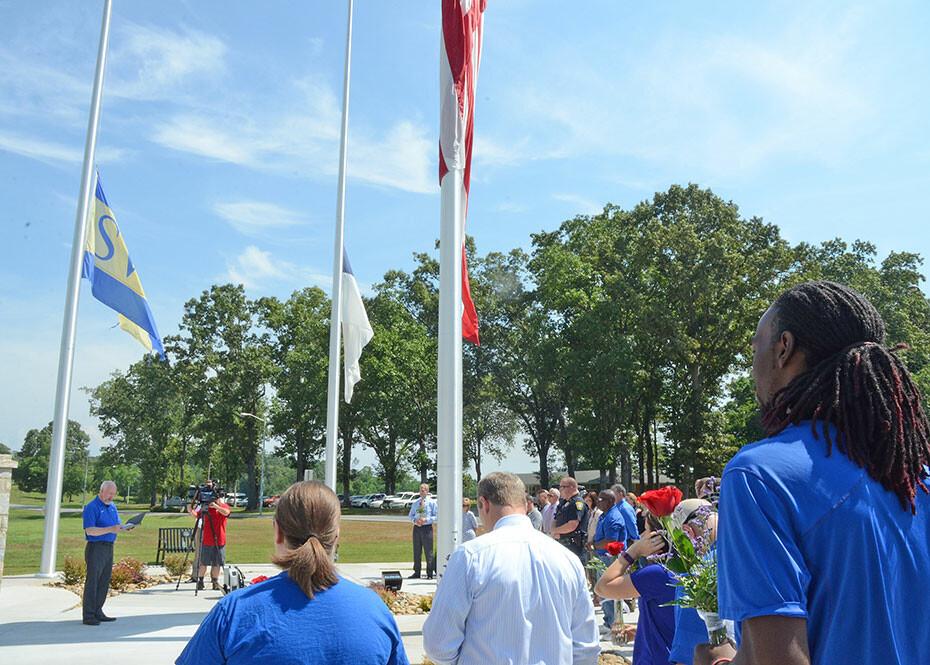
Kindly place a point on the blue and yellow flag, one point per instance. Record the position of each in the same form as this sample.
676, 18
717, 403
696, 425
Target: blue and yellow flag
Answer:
114, 280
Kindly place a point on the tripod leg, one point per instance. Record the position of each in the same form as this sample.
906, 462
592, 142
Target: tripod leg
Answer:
187, 552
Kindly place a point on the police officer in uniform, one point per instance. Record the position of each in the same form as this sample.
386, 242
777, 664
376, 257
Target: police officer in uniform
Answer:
571, 518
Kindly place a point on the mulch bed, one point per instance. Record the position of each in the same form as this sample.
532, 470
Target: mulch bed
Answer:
149, 580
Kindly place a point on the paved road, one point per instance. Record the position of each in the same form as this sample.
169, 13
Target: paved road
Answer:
386, 517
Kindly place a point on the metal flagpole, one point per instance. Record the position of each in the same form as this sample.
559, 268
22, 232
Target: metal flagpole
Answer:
335, 317
449, 423
56, 459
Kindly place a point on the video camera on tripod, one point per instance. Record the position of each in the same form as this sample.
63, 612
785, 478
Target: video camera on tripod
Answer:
205, 493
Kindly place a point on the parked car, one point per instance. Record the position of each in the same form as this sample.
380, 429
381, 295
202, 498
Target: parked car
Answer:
373, 501
386, 501
356, 501
175, 502
237, 499
271, 501
403, 500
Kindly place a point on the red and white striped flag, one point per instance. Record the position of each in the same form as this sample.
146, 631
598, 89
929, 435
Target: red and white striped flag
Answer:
462, 25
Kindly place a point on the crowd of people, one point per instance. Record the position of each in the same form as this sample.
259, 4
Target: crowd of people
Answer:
822, 538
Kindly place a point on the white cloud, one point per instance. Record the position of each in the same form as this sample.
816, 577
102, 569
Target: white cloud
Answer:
582, 206
45, 151
404, 159
200, 136
255, 217
154, 63
714, 104
40, 150
305, 141
255, 268
511, 207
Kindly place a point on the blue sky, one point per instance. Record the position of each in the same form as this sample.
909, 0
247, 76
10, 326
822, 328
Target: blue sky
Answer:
218, 142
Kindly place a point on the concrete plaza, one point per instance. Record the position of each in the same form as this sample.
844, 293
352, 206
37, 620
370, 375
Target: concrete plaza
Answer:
40, 624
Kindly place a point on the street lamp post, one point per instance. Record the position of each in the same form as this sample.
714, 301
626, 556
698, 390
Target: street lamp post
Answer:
261, 482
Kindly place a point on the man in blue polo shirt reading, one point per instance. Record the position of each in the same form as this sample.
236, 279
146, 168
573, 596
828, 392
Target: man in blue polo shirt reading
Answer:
101, 524
824, 533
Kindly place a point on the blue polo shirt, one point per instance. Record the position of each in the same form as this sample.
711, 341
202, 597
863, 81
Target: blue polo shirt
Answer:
629, 520
609, 525
805, 535
99, 514
274, 622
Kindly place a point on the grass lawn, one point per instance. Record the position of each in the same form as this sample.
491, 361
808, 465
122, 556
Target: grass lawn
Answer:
248, 540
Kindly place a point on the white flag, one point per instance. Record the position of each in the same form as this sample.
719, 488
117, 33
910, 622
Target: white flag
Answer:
356, 330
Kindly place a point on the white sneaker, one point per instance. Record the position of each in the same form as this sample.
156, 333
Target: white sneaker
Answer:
603, 629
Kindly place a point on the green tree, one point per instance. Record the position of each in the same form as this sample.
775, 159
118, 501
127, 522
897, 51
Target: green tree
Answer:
33, 458
141, 413
712, 276
300, 352
398, 387
230, 364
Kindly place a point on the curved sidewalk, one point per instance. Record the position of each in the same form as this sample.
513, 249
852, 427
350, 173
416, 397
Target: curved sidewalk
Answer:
153, 624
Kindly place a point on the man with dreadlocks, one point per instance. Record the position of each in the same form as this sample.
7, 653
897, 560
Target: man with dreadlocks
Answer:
824, 534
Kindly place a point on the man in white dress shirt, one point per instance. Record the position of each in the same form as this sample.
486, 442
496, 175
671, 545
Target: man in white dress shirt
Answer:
512, 596
550, 509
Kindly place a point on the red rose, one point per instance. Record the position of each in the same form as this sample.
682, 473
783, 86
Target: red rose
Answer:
661, 502
614, 548
260, 578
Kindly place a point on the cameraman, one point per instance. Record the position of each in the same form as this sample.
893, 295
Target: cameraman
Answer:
213, 551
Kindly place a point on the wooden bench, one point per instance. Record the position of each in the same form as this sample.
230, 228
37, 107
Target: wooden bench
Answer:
173, 540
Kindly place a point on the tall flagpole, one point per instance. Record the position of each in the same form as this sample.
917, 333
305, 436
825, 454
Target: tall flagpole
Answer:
449, 379
335, 317
56, 459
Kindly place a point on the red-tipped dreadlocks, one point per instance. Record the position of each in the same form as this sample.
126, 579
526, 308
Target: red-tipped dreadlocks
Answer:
854, 383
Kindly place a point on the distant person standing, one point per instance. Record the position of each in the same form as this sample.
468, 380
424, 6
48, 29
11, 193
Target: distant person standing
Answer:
423, 515
548, 512
101, 524
533, 513
571, 519
469, 521
629, 514
213, 552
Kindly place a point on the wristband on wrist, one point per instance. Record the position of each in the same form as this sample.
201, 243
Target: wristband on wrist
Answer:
720, 661
631, 561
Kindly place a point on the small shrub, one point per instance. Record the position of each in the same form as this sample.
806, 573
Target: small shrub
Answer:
121, 577
75, 570
176, 565
134, 564
126, 572
425, 603
387, 595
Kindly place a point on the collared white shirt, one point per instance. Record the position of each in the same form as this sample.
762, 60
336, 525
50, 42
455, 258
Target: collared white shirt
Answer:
512, 596
548, 515
428, 513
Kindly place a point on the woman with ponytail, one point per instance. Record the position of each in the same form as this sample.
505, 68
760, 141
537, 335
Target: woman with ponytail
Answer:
307, 614
824, 531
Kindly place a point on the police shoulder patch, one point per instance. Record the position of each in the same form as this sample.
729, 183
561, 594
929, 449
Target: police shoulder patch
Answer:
579, 505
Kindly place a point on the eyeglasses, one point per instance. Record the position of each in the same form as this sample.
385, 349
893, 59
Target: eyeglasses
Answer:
564, 486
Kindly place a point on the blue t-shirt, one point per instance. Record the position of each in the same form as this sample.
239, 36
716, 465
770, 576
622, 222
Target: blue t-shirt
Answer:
690, 630
806, 535
656, 627
274, 622
609, 525
629, 520
99, 514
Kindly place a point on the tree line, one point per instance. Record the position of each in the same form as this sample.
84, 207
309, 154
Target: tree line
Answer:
618, 341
